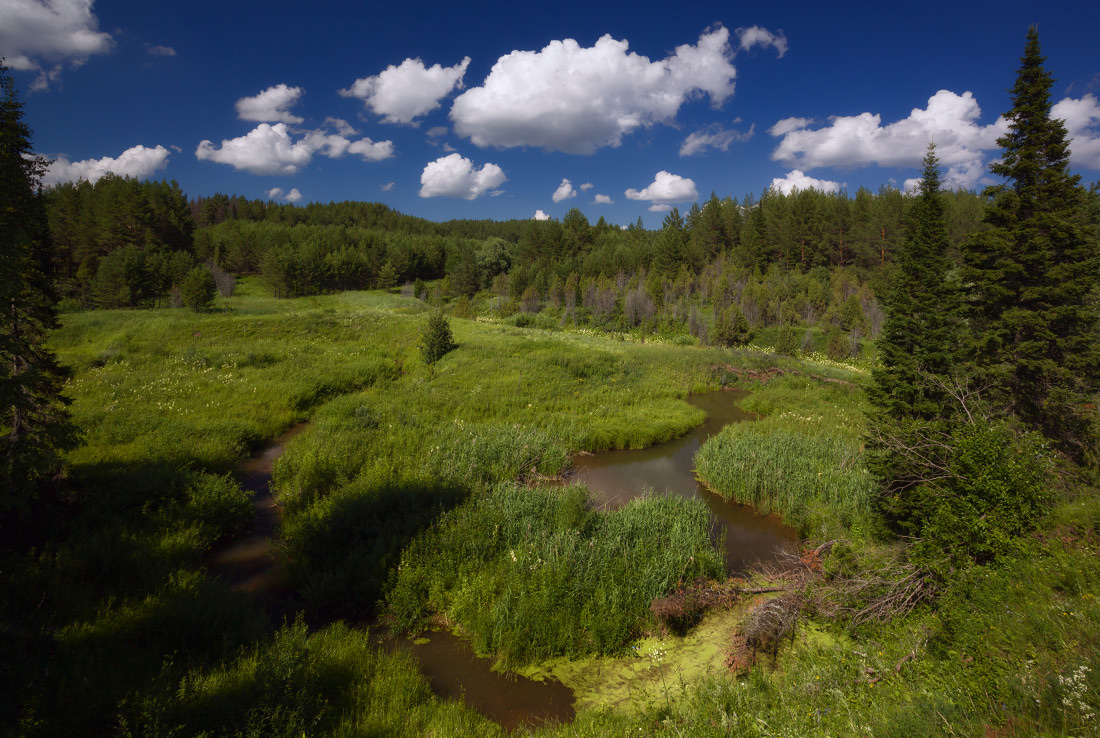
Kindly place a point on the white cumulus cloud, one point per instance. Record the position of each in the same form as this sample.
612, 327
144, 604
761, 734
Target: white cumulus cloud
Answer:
37, 32
859, 140
403, 93
713, 137
602, 200
270, 106
757, 36
276, 193
455, 176
270, 149
797, 180
565, 191
579, 99
539, 215
587, 186
1082, 118
665, 190
137, 161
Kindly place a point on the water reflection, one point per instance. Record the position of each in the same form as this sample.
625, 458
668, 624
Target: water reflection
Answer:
615, 477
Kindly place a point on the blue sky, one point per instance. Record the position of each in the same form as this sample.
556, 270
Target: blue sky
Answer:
505, 110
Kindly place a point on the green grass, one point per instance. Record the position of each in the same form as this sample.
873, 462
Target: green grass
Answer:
803, 458
111, 625
534, 573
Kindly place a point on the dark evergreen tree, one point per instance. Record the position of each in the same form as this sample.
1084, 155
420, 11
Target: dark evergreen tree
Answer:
197, 290
1032, 271
922, 334
438, 339
33, 416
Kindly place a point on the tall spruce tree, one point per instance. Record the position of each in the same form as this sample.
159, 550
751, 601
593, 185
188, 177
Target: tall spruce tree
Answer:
922, 333
33, 417
1031, 272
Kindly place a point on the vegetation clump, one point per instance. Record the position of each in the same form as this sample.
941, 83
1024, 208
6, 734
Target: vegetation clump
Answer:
197, 290
438, 341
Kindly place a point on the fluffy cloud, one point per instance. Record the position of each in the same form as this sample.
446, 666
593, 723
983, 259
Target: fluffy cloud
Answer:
665, 189
270, 105
796, 180
565, 191
539, 215
33, 32
401, 94
136, 161
269, 149
757, 36
714, 137
342, 126
455, 176
577, 100
587, 186
160, 50
276, 193
602, 200
853, 141
1082, 119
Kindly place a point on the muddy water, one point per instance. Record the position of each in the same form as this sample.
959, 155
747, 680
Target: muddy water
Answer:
615, 477
455, 672
246, 562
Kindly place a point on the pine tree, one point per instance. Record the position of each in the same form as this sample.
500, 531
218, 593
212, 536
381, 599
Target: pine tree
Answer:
33, 417
922, 333
1032, 271
438, 340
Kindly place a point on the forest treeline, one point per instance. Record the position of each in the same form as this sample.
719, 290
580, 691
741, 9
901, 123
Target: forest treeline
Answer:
719, 271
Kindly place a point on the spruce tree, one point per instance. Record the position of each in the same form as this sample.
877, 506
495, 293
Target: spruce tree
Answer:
922, 332
1032, 271
33, 417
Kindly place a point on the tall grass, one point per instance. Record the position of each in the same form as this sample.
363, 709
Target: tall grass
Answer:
532, 573
803, 459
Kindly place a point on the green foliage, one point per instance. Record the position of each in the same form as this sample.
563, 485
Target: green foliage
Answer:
197, 290
34, 421
786, 341
995, 491
535, 572
731, 328
1031, 271
437, 341
838, 345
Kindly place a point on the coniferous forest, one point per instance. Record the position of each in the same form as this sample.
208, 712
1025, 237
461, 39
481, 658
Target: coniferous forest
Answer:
917, 377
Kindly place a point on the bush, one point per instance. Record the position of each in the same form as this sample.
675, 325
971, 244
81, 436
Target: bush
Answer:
198, 289
438, 340
786, 342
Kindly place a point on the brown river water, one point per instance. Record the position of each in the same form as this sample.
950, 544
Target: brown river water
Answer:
614, 477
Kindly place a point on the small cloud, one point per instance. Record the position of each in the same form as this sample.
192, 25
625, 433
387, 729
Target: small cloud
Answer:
455, 176
437, 131
270, 149
137, 161
602, 200
714, 137
665, 189
658, 207
400, 94
160, 50
796, 180
387, 187
270, 105
587, 186
539, 215
565, 191
757, 36
276, 193
341, 126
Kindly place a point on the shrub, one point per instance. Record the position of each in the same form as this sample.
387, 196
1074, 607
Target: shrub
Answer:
197, 289
786, 342
438, 340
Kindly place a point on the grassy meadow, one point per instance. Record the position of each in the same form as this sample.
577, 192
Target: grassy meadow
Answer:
425, 494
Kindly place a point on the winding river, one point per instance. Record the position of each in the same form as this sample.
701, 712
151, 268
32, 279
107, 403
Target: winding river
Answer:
614, 477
